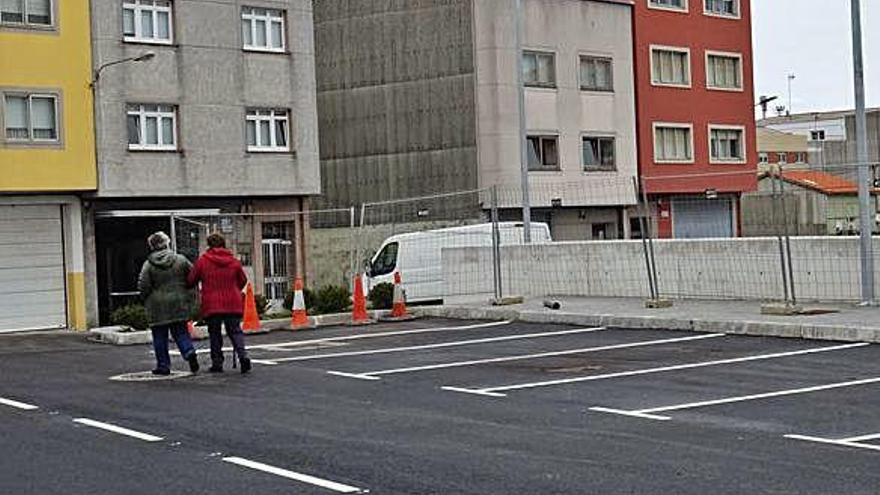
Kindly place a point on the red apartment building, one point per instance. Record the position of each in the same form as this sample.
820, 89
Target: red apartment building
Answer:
695, 113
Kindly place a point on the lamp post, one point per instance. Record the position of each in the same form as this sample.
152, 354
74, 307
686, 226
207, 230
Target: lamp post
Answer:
791, 77
866, 221
140, 58
523, 141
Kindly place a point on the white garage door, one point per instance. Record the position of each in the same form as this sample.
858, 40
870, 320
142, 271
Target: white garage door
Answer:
32, 294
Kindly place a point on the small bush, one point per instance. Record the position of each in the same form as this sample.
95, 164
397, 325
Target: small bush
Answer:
331, 299
382, 296
262, 304
132, 315
308, 296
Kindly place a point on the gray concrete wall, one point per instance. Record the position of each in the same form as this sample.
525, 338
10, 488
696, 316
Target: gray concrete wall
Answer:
825, 269
212, 81
395, 99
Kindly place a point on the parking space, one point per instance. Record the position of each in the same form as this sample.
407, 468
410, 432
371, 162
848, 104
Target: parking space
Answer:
475, 407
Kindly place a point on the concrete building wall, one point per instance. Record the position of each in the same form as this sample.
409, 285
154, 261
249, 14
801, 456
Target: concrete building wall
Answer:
395, 99
568, 28
211, 80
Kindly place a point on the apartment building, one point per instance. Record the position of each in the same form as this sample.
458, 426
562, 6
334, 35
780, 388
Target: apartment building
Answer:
46, 163
205, 110
695, 111
421, 98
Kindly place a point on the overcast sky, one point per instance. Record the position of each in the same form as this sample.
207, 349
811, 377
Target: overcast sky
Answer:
812, 39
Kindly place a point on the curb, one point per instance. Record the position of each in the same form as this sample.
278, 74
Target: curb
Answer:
842, 333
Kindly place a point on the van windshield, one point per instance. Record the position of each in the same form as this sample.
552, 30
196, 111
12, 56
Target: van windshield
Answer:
385, 261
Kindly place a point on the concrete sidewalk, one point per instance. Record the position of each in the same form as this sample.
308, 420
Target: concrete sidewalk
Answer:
849, 324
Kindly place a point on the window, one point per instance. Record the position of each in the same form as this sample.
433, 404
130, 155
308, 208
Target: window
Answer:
385, 261
800, 157
670, 66
267, 130
539, 69
31, 118
681, 5
598, 153
723, 71
763, 158
818, 135
152, 127
596, 73
147, 21
673, 143
543, 152
726, 8
782, 158
262, 29
726, 144
27, 13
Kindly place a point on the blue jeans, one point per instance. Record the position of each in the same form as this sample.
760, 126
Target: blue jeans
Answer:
233, 330
160, 343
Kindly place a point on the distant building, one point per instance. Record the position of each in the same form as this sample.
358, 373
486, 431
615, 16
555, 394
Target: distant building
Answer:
696, 127
781, 148
419, 98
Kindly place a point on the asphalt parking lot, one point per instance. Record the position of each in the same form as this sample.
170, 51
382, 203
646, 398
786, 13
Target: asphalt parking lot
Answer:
441, 406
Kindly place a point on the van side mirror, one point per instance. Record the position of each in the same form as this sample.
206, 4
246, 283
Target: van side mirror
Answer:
368, 267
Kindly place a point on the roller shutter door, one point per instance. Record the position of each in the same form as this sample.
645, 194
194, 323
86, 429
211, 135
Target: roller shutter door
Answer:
702, 218
32, 288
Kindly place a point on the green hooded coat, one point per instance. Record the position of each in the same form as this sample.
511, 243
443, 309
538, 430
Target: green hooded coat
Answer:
162, 284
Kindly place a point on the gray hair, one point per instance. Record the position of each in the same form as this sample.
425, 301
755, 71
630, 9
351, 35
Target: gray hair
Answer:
158, 241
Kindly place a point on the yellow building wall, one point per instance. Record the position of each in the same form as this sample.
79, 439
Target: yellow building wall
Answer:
58, 60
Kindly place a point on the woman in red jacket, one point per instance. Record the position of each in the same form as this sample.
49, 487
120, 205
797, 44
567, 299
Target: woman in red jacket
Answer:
222, 280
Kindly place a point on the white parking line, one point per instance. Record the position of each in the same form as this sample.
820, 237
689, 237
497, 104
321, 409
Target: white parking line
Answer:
862, 438
117, 429
344, 338
650, 413
18, 405
292, 475
373, 375
441, 345
839, 443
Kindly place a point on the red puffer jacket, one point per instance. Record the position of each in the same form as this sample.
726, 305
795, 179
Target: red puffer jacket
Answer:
222, 281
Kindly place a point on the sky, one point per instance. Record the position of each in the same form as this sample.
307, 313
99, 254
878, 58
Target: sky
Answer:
812, 39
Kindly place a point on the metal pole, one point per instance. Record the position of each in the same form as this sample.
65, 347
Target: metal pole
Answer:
650, 243
782, 268
866, 222
496, 245
353, 261
173, 233
523, 145
788, 266
642, 224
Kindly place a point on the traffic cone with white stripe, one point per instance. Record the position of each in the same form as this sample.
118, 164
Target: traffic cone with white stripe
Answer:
299, 317
398, 308
359, 315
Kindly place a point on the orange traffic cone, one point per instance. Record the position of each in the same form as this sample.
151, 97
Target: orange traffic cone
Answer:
250, 322
359, 315
398, 309
300, 317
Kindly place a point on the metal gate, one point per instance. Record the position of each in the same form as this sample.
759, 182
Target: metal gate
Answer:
276, 274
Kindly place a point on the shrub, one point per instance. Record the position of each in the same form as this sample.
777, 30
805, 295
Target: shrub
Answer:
382, 296
262, 304
132, 315
308, 296
331, 299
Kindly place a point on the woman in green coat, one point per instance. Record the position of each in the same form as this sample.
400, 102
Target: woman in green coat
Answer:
168, 301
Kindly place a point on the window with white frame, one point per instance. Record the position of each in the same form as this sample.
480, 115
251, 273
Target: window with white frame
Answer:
763, 158
724, 71
262, 29
670, 66
543, 152
817, 135
673, 143
26, 13
30, 117
726, 144
726, 8
152, 127
782, 158
539, 69
598, 153
596, 73
147, 21
669, 4
268, 130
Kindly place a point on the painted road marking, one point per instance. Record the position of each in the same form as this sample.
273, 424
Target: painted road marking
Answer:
373, 375
303, 478
118, 429
18, 405
862, 438
457, 343
839, 443
728, 400
345, 338
623, 374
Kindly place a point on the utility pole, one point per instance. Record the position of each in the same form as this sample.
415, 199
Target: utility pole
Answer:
791, 77
866, 220
523, 141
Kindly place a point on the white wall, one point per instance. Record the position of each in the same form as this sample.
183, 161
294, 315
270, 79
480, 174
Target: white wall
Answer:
825, 269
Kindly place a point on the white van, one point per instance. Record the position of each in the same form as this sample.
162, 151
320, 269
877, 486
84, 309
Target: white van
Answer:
416, 255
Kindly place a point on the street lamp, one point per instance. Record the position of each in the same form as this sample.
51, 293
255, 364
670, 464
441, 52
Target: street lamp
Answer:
140, 58
519, 20
791, 77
